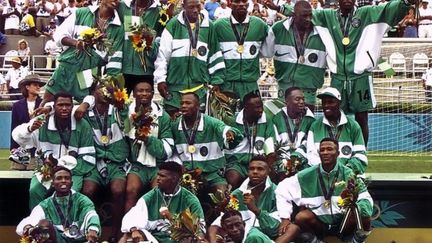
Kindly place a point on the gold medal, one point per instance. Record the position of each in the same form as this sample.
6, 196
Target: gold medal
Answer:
191, 149
327, 203
240, 49
194, 52
104, 139
345, 41
301, 59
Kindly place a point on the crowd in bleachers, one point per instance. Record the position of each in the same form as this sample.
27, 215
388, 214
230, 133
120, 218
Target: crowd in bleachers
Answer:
261, 173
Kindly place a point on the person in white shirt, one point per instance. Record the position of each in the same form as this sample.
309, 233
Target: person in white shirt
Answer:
14, 75
45, 9
11, 14
223, 11
53, 51
427, 84
425, 23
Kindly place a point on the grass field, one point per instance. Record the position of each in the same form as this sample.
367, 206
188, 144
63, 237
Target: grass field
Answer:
377, 163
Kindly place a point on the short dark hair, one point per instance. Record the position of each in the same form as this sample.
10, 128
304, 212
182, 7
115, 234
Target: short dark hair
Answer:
289, 91
62, 94
259, 157
144, 80
173, 167
60, 168
194, 95
250, 95
329, 139
230, 213
303, 4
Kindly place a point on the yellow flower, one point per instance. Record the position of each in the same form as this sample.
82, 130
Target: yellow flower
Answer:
120, 95
233, 203
187, 178
163, 17
340, 202
88, 33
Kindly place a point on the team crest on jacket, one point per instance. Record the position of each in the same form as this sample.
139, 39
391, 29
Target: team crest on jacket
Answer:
259, 144
202, 51
204, 151
253, 49
346, 150
356, 22
313, 57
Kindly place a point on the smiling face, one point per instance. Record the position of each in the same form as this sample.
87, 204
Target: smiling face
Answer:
295, 101
62, 182
331, 108
143, 93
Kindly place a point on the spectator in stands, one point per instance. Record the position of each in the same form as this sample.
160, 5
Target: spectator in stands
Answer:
409, 23
71, 214
52, 50
335, 124
11, 14
257, 200
70, 9
13, 76
50, 29
223, 11
27, 26
24, 52
45, 9
22, 110
3, 87
61, 139
211, 6
315, 190
425, 20
234, 226
148, 220
315, 4
427, 84
257, 9
60, 6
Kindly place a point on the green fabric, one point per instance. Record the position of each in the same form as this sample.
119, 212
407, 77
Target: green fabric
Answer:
115, 172
179, 202
242, 71
256, 236
146, 174
357, 96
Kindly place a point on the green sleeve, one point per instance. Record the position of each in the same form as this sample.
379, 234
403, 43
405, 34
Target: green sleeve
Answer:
161, 146
358, 161
88, 215
364, 205
86, 158
114, 65
268, 224
215, 61
286, 9
390, 13
256, 236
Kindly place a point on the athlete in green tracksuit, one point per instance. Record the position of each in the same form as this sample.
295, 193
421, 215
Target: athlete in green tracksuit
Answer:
72, 215
242, 39
74, 74
138, 13
189, 55
55, 138
299, 54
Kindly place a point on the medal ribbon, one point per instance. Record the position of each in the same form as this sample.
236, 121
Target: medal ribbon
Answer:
64, 220
329, 193
102, 124
193, 36
291, 135
251, 137
345, 23
240, 38
338, 133
190, 138
64, 135
299, 44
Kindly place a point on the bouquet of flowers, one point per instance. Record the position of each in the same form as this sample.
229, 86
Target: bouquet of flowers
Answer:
167, 11
185, 225
347, 202
223, 105
142, 38
41, 233
291, 162
192, 180
113, 91
224, 201
143, 120
94, 38
45, 167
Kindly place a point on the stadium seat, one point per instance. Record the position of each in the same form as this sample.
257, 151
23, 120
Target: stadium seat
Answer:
398, 63
420, 63
7, 60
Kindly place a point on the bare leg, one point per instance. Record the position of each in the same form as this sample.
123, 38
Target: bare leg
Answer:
118, 189
134, 187
362, 119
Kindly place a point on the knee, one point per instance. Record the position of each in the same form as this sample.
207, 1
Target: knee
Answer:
305, 217
118, 191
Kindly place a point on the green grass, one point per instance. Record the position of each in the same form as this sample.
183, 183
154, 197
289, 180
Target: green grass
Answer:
377, 163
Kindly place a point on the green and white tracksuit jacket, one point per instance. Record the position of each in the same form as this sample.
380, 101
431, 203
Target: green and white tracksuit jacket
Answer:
368, 26
289, 71
82, 214
304, 189
281, 132
72, 63
131, 61
210, 140
160, 143
242, 69
352, 150
47, 139
268, 220
175, 63
117, 150
146, 217
260, 140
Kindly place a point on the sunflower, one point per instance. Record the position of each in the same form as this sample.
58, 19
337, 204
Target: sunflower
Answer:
88, 33
163, 15
120, 95
187, 178
233, 203
341, 202
143, 131
25, 239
